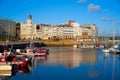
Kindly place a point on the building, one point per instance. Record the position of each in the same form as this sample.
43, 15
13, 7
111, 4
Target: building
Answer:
28, 30
93, 28
77, 30
7, 29
86, 34
44, 31
90, 33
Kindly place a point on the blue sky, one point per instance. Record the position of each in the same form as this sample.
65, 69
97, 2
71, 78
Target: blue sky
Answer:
99, 12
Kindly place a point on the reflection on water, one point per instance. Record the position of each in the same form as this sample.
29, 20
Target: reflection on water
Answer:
70, 57
10, 74
67, 63
4, 75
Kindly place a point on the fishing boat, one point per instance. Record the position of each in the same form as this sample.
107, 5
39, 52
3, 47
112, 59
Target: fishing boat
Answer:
14, 60
41, 50
30, 52
5, 73
5, 67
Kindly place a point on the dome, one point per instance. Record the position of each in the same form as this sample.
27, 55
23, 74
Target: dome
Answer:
29, 19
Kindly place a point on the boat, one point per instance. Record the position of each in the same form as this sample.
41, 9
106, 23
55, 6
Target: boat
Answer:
75, 46
105, 50
20, 61
30, 52
115, 49
5, 67
41, 50
23, 70
5, 73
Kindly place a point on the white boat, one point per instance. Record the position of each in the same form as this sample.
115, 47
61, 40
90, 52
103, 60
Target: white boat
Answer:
105, 50
75, 46
115, 49
118, 48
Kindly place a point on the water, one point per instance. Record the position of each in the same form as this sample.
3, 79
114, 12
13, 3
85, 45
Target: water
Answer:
67, 63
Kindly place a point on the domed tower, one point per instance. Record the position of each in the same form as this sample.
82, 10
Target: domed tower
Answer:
29, 19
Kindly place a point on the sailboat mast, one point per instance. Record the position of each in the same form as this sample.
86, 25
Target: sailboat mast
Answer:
113, 32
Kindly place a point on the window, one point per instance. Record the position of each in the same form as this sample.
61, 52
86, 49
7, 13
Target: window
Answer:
37, 27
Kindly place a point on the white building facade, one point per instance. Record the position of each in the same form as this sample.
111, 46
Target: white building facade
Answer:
28, 30
70, 30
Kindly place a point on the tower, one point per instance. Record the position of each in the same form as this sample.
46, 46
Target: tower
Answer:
29, 20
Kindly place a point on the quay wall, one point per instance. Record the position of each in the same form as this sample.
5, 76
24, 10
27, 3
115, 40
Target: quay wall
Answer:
44, 43
41, 43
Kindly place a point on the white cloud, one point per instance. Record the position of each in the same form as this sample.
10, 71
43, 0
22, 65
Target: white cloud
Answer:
93, 7
82, 1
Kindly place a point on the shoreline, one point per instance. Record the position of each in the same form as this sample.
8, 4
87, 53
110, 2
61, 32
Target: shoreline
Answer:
46, 42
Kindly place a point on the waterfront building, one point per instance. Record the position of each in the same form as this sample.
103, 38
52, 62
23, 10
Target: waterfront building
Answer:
68, 32
28, 30
7, 29
76, 29
90, 33
93, 28
86, 34
62, 32
44, 31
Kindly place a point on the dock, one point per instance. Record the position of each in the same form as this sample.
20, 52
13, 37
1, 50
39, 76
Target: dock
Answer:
5, 67
5, 72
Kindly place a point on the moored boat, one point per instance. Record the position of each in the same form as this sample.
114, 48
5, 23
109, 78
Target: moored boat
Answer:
13, 60
75, 46
115, 49
105, 50
31, 53
5, 67
5, 73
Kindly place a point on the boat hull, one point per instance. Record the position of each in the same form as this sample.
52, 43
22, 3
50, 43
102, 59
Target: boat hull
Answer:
106, 50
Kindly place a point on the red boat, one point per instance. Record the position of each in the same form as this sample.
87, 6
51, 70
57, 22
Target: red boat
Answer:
31, 52
19, 61
24, 70
40, 54
42, 50
32, 48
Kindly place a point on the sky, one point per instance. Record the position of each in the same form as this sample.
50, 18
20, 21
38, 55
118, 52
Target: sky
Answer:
104, 13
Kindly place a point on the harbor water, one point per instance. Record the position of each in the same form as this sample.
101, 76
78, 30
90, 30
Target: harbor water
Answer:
68, 63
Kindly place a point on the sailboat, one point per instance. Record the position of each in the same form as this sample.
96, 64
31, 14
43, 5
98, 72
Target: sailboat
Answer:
105, 48
115, 49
